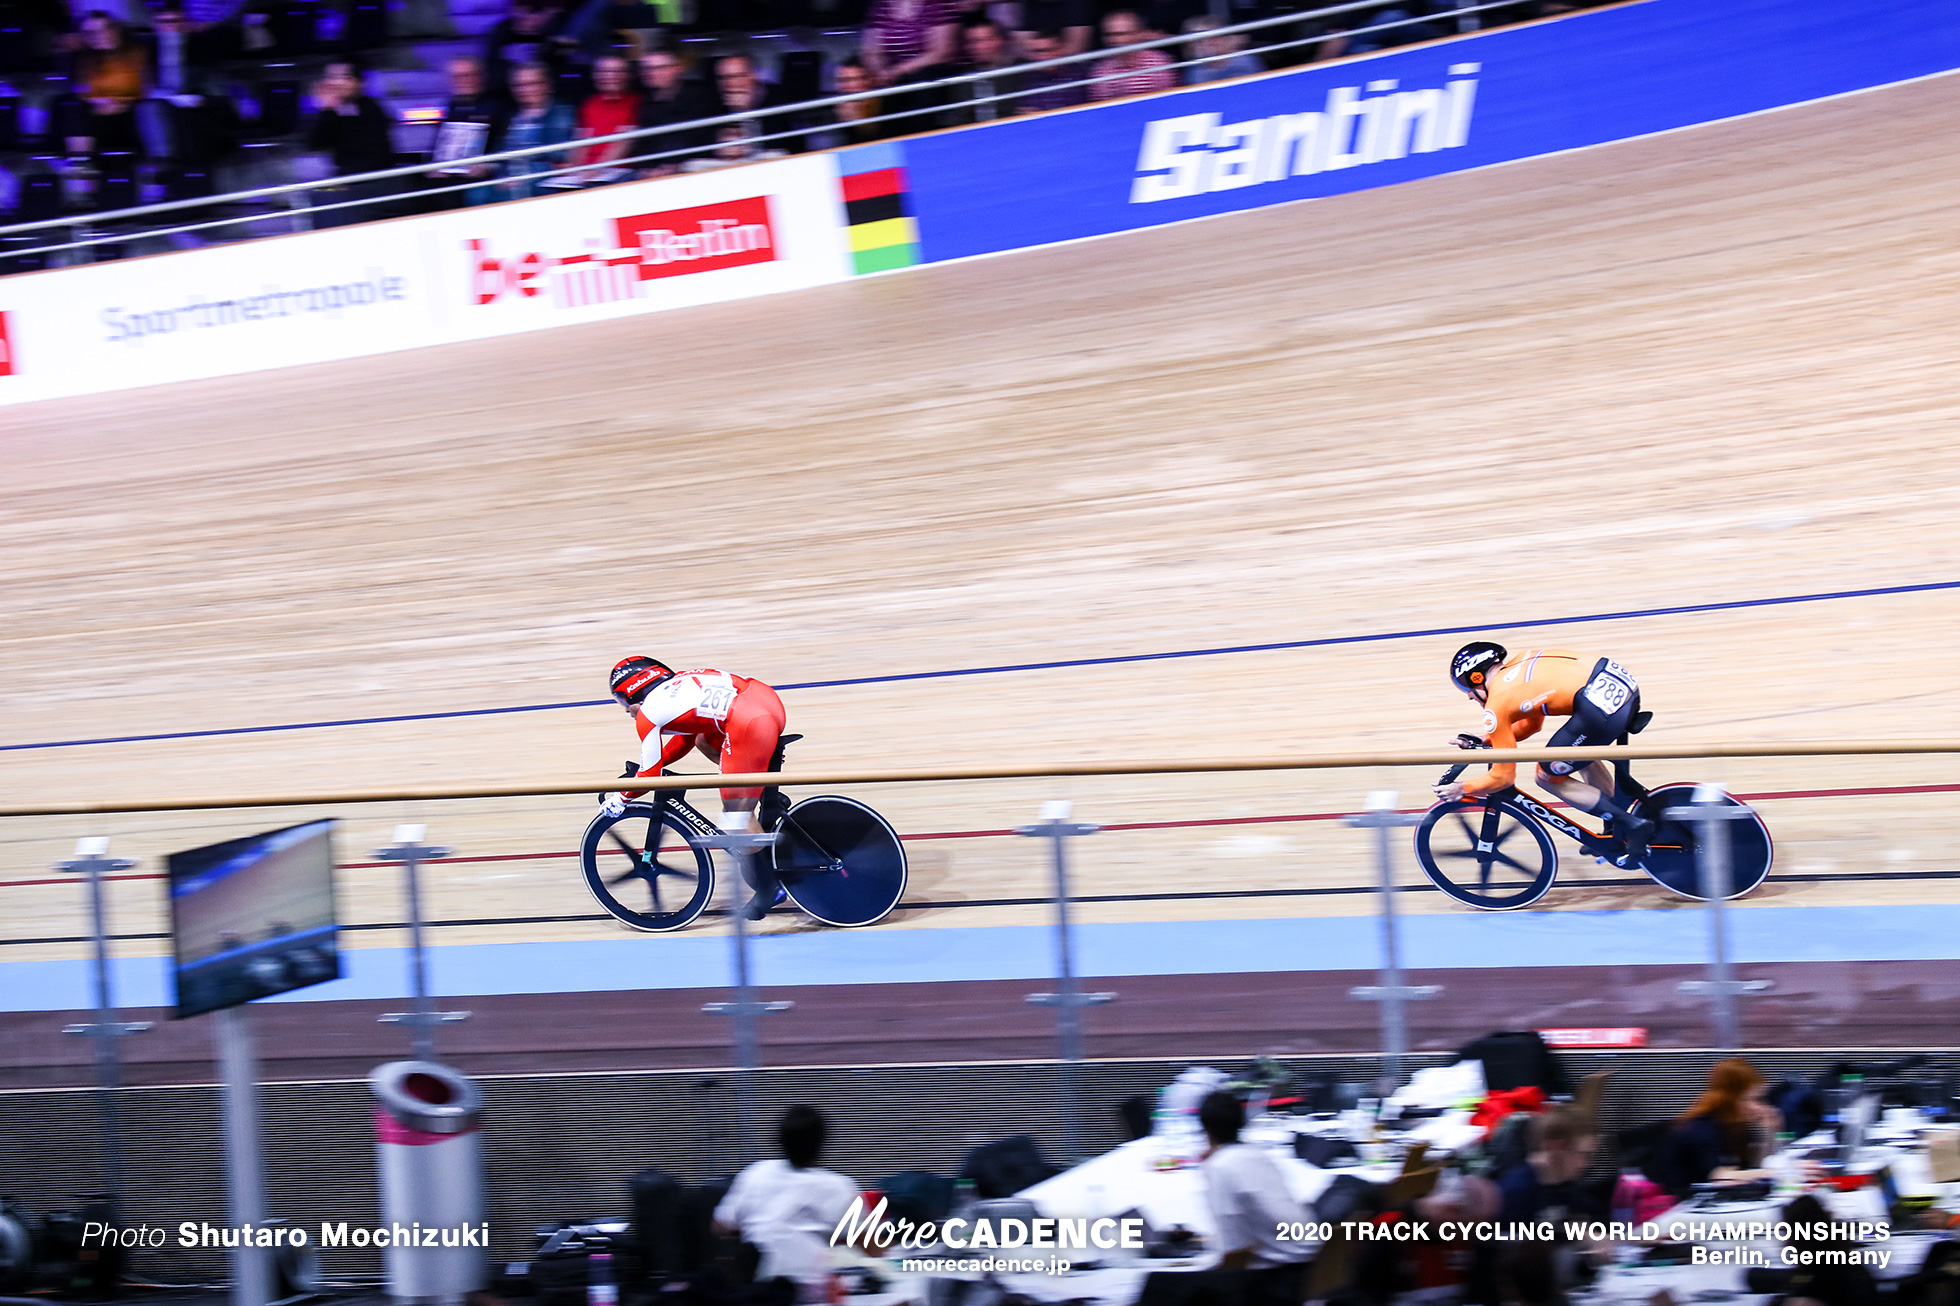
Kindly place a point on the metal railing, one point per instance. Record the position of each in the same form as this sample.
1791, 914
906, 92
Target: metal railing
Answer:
1055, 828
82, 226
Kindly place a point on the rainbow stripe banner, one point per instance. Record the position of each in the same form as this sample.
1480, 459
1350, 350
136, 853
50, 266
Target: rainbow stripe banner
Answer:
878, 208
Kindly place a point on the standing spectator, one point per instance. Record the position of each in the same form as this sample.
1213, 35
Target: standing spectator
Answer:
539, 120
111, 74
904, 38
847, 123
353, 128
1249, 1203
525, 37
178, 123
787, 1208
671, 98
1725, 1134
1224, 56
984, 48
1072, 22
1049, 88
1131, 72
613, 106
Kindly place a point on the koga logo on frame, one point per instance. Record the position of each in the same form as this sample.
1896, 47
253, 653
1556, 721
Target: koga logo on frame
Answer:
1201, 153
644, 247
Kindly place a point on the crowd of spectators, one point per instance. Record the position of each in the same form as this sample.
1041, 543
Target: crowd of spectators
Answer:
1539, 1166
172, 82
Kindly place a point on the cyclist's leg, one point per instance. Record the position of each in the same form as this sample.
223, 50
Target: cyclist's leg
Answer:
1593, 722
755, 722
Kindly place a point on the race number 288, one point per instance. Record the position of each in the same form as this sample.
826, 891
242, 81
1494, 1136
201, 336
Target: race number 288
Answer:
1611, 688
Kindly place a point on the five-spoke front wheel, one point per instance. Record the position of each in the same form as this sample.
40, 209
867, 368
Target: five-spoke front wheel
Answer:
1486, 854
643, 871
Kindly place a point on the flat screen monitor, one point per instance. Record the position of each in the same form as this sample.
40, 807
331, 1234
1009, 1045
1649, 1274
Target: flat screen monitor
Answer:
253, 917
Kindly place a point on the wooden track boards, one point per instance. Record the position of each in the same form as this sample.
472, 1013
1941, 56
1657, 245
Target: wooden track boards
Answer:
1704, 367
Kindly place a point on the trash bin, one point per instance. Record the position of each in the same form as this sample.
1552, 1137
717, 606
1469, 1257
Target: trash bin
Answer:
428, 1147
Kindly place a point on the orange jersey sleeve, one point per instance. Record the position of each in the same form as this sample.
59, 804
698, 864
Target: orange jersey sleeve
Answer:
1525, 689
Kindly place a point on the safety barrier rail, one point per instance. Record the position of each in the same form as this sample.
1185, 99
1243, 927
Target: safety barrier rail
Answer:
918, 775
1047, 838
299, 195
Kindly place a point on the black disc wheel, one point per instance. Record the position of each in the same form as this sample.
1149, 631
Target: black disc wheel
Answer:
1671, 854
643, 871
1488, 855
840, 861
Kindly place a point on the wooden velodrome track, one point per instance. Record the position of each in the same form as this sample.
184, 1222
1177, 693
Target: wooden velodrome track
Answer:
1708, 367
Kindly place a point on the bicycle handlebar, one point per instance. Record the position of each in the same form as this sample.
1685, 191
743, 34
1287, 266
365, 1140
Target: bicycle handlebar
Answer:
1463, 741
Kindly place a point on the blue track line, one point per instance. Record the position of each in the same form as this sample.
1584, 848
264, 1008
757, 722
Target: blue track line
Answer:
1377, 638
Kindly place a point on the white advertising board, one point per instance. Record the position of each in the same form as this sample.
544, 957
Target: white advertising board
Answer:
586, 256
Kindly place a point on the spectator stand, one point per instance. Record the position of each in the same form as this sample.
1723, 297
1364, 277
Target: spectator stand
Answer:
263, 180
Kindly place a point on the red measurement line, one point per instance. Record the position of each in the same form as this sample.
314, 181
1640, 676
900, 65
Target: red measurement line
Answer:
1876, 791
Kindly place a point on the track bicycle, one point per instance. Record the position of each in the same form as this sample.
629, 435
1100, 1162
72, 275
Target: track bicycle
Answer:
1462, 844
837, 860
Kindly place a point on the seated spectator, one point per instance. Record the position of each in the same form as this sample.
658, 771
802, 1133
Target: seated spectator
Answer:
472, 119
1546, 1184
741, 91
1388, 1269
984, 48
1048, 88
735, 148
1130, 72
1821, 1283
904, 38
787, 1208
613, 106
539, 120
1069, 23
847, 123
352, 128
1249, 1203
111, 74
671, 97
1724, 1135
1223, 55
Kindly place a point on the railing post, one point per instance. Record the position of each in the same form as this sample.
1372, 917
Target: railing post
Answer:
740, 846
411, 852
1390, 991
1711, 816
251, 1267
1054, 826
91, 860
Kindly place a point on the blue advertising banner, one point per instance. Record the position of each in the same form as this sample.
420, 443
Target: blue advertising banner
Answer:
1489, 98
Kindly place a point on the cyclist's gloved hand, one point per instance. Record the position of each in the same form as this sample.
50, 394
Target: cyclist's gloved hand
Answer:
614, 807
1449, 793
1468, 741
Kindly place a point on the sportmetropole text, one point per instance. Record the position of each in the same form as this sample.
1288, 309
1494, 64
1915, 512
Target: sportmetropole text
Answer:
193, 1233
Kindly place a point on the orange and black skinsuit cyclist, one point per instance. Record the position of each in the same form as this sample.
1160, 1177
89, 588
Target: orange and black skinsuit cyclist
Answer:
1518, 691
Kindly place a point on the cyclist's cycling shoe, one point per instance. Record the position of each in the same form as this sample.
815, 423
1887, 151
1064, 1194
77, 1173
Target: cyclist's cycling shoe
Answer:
757, 908
1634, 832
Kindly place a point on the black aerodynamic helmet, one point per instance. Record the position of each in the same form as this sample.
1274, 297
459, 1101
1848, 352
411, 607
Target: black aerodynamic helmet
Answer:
1471, 666
633, 678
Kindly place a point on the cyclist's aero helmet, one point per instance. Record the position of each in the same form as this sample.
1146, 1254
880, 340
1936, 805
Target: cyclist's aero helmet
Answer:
632, 678
1473, 663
